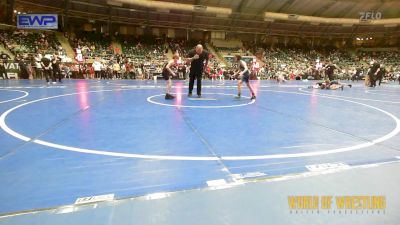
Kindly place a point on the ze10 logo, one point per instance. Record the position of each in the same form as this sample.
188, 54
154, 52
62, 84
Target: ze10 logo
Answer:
37, 21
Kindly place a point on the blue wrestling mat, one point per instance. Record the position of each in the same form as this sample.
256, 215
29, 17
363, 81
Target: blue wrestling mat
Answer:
88, 138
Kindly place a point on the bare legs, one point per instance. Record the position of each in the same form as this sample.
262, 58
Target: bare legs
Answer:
253, 96
169, 85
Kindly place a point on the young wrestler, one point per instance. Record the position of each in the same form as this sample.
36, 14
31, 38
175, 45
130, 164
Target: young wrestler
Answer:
167, 73
329, 85
244, 75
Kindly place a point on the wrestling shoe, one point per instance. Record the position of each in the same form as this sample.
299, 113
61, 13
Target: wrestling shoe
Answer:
253, 97
190, 95
169, 96
238, 96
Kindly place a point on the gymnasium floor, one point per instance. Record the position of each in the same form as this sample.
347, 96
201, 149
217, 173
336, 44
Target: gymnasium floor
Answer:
87, 138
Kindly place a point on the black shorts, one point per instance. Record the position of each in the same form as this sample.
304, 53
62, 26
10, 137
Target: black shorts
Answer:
166, 74
246, 77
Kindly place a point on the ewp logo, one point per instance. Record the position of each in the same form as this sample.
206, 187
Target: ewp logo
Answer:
37, 21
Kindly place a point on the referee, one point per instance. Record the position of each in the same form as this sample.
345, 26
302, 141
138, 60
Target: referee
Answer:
329, 70
373, 71
197, 57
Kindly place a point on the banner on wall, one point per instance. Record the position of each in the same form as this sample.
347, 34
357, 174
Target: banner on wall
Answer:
12, 68
37, 21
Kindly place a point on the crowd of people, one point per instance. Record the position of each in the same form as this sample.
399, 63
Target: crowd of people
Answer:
21, 42
144, 58
28, 49
90, 45
288, 63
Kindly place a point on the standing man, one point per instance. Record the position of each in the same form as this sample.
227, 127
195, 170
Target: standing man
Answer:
55, 63
244, 76
197, 57
116, 70
23, 67
47, 70
318, 69
256, 68
97, 68
168, 73
381, 74
329, 70
38, 66
372, 72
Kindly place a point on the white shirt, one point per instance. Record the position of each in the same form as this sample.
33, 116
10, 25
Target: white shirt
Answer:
38, 62
96, 66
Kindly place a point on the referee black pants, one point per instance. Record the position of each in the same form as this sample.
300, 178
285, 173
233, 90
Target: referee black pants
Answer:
57, 74
97, 74
192, 77
372, 80
379, 78
48, 73
330, 76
